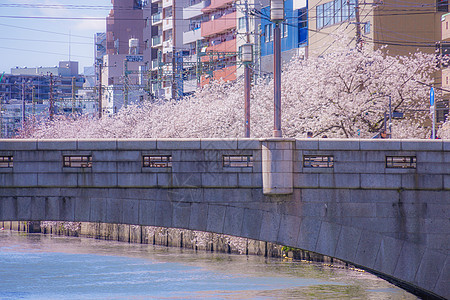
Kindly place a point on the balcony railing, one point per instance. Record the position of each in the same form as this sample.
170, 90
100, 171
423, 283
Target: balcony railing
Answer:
156, 41
215, 4
156, 18
220, 25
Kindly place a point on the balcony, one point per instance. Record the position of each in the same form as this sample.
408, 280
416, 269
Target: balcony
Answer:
156, 1
155, 65
228, 46
193, 10
157, 18
192, 36
227, 74
220, 25
168, 46
156, 41
167, 23
216, 4
167, 3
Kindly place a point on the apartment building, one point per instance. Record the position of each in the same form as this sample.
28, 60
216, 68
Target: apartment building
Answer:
398, 27
442, 108
294, 34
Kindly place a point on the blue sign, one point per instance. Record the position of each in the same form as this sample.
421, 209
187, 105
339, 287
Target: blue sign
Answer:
432, 96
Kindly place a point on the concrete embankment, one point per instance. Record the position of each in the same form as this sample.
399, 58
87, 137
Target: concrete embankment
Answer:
169, 237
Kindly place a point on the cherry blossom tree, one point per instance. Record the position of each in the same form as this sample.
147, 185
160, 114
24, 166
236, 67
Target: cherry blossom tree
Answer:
342, 94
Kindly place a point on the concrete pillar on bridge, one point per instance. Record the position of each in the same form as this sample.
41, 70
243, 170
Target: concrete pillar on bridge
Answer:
277, 166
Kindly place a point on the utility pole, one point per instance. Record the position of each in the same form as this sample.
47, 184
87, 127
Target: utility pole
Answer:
125, 83
23, 102
73, 95
247, 78
277, 17
51, 97
358, 27
100, 65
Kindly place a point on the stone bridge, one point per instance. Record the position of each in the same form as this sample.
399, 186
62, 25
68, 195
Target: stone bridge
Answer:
383, 205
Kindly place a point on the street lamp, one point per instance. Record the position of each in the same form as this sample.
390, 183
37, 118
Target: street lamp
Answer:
246, 52
277, 16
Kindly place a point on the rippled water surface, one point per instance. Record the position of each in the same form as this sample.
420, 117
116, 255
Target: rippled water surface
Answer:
51, 267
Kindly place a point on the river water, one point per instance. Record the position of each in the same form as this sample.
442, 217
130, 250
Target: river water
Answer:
36, 266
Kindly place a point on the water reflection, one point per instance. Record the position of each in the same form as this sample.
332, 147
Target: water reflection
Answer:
51, 267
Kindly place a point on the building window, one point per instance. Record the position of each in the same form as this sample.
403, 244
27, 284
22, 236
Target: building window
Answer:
334, 12
157, 161
401, 162
367, 27
241, 24
284, 30
6, 161
237, 161
268, 32
77, 161
442, 5
318, 161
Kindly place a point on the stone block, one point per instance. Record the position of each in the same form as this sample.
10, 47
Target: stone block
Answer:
385, 181
38, 208
247, 180
82, 209
38, 167
328, 238
219, 144
9, 208
447, 182
18, 144
249, 144
307, 144
6, 180
446, 145
61, 144
130, 209
163, 213
164, 179
37, 156
308, 180
25, 180
129, 167
359, 167
368, 247
270, 225
114, 211
443, 285
178, 144
66, 208
388, 253
97, 179
136, 144
220, 180
380, 145
339, 180
433, 168
368, 196
199, 216
408, 262
146, 213
193, 156
430, 181
422, 145
430, 269
233, 221
348, 243
181, 214
225, 196
251, 226
339, 144
188, 167
289, 230
24, 208
98, 210
104, 167
52, 208
187, 180
97, 144
137, 180
309, 233
216, 218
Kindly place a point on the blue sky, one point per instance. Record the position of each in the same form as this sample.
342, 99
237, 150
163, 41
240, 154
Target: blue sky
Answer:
31, 37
